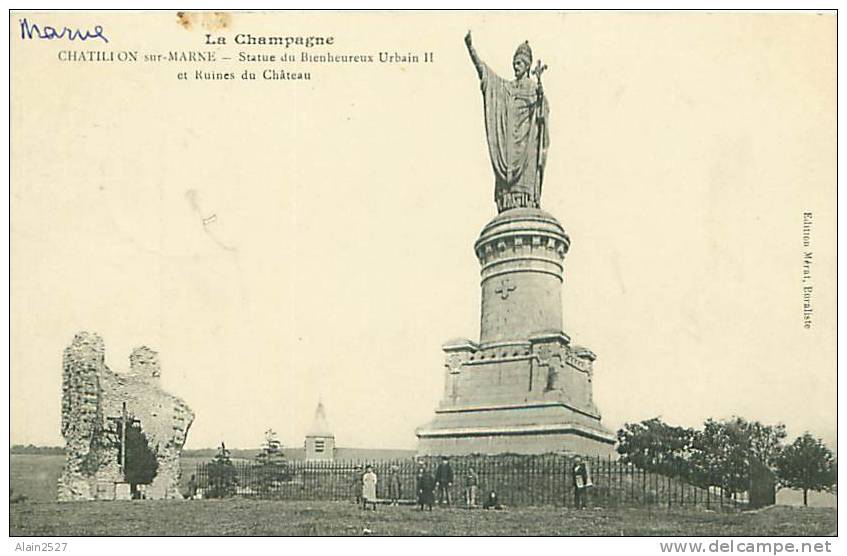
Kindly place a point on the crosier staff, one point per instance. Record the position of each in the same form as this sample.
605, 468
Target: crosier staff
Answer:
539, 113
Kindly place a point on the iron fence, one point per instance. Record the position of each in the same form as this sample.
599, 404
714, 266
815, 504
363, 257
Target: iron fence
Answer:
518, 480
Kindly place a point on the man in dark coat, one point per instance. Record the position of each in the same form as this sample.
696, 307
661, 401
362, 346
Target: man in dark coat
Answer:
444, 480
581, 482
425, 487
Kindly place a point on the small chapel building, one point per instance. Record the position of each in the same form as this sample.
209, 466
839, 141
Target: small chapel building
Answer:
320, 441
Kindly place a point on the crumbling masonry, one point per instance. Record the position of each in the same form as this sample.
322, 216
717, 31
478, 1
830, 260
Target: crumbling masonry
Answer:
92, 399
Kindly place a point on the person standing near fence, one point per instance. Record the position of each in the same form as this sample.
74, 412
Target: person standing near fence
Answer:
581, 482
369, 488
425, 486
192, 488
394, 493
444, 480
471, 487
356, 484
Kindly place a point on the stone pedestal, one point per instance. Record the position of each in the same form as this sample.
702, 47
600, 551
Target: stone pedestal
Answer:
523, 388
521, 252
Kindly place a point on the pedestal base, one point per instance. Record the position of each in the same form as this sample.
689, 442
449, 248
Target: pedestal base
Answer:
527, 428
523, 388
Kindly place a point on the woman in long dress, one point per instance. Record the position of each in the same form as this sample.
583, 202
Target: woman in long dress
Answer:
369, 488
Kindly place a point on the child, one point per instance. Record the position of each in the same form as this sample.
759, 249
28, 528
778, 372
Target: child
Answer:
356, 484
192, 488
491, 502
471, 486
394, 485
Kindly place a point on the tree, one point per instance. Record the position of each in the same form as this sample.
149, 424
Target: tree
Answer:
765, 441
807, 464
271, 466
141, 462
223, 478
720, 455
271, 449
654, 445
723, 451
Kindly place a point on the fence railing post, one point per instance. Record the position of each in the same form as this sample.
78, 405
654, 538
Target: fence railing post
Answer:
668, 490
535, 480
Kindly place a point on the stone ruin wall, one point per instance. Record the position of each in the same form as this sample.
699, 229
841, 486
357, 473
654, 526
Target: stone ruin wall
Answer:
91, 393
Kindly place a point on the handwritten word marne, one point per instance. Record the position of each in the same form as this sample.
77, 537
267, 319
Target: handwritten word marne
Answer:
48, 32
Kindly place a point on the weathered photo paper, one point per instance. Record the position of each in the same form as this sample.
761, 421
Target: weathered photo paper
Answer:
555, 266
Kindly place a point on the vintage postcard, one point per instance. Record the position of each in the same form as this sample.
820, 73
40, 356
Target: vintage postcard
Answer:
423, 273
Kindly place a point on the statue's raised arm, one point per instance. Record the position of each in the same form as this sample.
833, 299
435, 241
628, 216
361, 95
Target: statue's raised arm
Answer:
516, 127
474, 56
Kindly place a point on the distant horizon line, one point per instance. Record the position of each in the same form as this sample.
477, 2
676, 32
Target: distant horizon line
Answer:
62, 447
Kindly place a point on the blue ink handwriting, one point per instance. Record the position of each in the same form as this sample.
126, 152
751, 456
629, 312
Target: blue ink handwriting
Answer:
31, 30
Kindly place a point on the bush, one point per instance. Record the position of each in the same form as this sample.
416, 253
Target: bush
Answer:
271, 468
222, 475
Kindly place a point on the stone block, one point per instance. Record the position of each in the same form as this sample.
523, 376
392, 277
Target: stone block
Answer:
106, 490
123, 491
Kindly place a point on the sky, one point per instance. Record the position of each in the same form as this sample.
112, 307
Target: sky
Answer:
685, 148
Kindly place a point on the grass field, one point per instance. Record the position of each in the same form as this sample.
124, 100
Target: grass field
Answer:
36, 476
257, 517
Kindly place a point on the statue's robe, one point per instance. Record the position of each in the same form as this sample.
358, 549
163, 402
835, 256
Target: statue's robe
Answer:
513, 117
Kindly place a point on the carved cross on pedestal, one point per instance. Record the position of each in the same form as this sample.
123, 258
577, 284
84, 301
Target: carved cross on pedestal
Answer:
504, 288
122, 422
